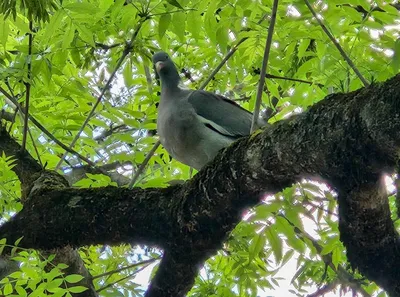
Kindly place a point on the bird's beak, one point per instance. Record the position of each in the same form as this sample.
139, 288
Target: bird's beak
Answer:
159, 66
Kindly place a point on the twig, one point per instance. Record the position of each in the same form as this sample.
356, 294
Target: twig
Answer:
227, 57
267, 75
261, 83
125, 268
123, 278
10, 117
16, 108
172, 11
127, 50
336, 43
35, 146
324, 289
148, 79
344, 276
44, 130
144, 164
107, 47
156, 145
28, 88
321, 208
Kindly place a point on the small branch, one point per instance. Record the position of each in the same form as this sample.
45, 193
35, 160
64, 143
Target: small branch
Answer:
267, 75
44, 130
35, 146
126, 267
109, 132
16, 108
107, 47
336, 43
261, 83
148, 79
144, 164
8, 116
324, 289
127, 50
397, 196
28, 88
172, 11
227, 57
156, 145
321, 208
188, 75
121, 279
342, 274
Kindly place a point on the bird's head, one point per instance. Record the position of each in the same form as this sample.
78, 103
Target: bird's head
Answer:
163, 63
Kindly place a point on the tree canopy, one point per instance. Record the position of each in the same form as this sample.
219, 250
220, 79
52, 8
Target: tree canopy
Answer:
89, 199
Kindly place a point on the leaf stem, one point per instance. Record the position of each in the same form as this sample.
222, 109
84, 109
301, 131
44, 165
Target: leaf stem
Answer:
261, 83
28, 88
336, 43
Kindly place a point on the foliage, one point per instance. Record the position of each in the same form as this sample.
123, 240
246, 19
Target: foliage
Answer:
77, 45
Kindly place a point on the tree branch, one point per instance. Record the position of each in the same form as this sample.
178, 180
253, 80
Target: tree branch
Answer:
337, 45
261, 83
126, 51
346, 140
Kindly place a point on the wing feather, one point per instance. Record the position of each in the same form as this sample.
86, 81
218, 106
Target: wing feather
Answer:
221, 114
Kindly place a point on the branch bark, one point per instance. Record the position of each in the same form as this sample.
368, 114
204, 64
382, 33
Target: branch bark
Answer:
32, 177
347, 140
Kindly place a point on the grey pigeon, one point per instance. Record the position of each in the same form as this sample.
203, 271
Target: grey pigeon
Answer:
193, 124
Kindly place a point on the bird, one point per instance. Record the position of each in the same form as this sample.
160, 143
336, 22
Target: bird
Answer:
194, 125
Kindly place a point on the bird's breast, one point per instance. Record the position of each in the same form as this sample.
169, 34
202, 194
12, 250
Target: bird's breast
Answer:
177, 127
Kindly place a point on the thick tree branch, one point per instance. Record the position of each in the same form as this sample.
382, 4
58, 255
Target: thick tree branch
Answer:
367, 231
31, 175
347, 140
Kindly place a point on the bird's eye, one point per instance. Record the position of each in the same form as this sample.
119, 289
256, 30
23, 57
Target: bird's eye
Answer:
166, 57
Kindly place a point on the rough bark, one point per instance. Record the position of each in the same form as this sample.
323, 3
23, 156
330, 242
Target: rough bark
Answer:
32, 178
347, 140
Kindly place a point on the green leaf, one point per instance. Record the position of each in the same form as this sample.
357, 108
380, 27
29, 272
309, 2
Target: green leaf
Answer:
56, 283
127, 74
54, 24
387, 18
73, 278
62, 266
2, 244
352, 14
222, 38
163, 24
82, 7
275, 242
210, 23
194, 22
53, 273
86, 35
4, 31
179, 24
104, 5
8, 289
303, 46
20, 290
264, 211
77, 289
336, 257
396, 56
256, 246
68, 36
175, 3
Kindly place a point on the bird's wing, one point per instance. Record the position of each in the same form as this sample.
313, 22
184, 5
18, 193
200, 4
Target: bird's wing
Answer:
221, 114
